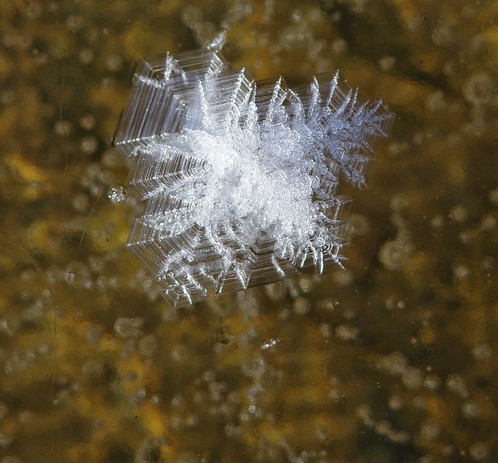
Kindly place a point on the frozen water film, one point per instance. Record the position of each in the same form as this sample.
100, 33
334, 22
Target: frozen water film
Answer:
240, 179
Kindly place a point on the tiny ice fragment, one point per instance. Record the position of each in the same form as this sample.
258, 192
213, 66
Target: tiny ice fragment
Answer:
271, 343
117, 194
239, 178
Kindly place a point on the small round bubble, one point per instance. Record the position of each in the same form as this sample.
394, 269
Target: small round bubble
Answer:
479, 88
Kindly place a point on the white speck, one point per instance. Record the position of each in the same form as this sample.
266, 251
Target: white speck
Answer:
117, 194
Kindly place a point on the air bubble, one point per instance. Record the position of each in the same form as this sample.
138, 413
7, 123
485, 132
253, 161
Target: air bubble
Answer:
461, 272
343, 277
128, 327
395, 402
479, 88
224, 336
4, 410
87, 122
5, 439
81, 202
12, 459
459, 213
113, 63
479, 451
148, 345
394, 254
429, 431
435, 101
346, 332
387, 63
75, 22
482, 351
86, 56
63, 128
488, 223
493, 196
471, 409
432, 382
443, 35
412, 378
302, 306
456, 383
254, 367
437, 221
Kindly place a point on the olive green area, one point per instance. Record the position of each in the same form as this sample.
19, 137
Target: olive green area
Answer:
390, 360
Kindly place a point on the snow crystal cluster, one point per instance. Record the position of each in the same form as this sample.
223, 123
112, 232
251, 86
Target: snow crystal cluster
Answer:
239, 178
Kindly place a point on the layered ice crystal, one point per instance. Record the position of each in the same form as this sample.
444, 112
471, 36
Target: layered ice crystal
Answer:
240, 178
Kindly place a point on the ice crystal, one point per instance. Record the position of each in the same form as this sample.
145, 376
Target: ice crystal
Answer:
239, 178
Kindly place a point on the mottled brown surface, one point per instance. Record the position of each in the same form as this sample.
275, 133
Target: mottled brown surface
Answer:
390, 360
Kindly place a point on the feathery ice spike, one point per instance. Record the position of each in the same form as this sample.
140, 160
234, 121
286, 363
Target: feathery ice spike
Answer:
240, 178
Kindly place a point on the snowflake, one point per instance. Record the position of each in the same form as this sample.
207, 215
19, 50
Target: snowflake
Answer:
240, 178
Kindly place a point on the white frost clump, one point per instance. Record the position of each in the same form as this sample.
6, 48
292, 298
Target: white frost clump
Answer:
240, 179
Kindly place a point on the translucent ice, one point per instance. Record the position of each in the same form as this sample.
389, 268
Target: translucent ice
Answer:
239, 178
